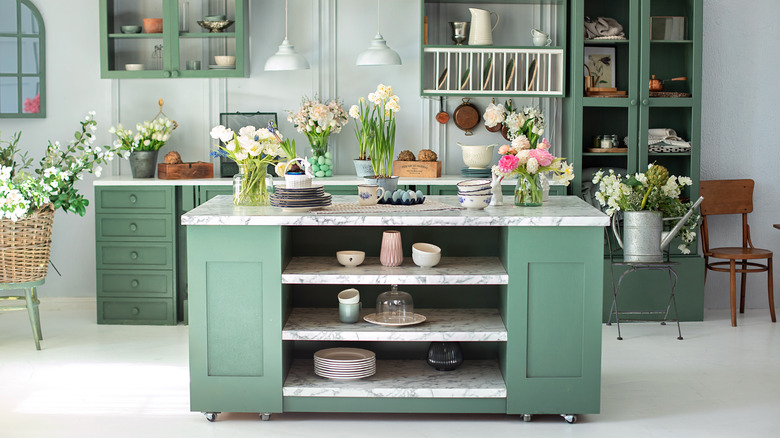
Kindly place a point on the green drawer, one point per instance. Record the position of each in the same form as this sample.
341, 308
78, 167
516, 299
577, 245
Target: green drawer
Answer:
207, 192
148, 311
120, 255
118, 283
154, 227
110, 199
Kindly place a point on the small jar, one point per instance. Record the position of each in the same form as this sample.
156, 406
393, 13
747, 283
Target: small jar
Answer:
608, 141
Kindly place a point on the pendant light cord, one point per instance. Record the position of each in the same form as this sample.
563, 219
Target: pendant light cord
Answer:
285, 19
377, 18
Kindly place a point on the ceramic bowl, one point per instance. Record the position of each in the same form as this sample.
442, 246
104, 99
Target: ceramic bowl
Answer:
131, 29
215, 26
215, 18
474, 202
134, 67
349, 296
473, 185
225, 60
153, 25
350, 258
487, 191
426, 255
477, 156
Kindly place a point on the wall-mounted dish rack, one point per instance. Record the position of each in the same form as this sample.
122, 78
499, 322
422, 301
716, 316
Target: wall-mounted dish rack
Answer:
493, 71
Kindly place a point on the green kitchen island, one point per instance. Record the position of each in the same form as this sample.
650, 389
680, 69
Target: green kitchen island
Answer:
520, 288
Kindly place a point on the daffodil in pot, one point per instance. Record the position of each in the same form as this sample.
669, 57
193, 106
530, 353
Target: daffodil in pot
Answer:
318, 121
144, 146
385, 107
253, 150
527, 164
364, 133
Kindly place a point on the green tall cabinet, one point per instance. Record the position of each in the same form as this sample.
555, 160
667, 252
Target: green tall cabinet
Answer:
646, 51
183, 49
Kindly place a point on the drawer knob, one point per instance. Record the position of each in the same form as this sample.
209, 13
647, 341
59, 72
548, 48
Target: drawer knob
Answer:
133, 227
133, 199
134, 283
135, 311
645, 102
133, 255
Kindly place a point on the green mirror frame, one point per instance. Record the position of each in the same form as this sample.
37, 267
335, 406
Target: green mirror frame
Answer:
27, 106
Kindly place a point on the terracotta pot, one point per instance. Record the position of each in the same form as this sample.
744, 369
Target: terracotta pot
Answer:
153, 25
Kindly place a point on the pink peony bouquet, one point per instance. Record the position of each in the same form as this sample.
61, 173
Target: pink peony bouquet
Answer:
519, 158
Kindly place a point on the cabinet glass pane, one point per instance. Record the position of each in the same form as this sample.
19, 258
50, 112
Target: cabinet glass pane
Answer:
599, 122
204, 50
29, 22
132, 13
137, 51
619, 10
8, 55
198, 10
8, 16
31, 63
31, 89
9, 95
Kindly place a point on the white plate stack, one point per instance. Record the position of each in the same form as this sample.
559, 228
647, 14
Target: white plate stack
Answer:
344, 363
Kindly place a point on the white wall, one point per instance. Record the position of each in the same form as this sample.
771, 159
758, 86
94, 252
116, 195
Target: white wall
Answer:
737, 122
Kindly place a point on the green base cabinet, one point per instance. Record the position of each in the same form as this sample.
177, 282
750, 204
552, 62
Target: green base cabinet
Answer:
135, 255
241, 300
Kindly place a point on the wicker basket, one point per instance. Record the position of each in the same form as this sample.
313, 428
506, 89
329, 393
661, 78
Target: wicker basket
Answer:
25, 246
296, 181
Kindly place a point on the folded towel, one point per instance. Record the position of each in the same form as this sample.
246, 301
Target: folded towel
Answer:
602, 27
661, 132
666, 140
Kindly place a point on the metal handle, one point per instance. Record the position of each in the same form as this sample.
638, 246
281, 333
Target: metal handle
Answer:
134, 283
645, 102
175, 73
616, 229
133, 227
632, 102
135, 311
167, 74
133, 199
133, 255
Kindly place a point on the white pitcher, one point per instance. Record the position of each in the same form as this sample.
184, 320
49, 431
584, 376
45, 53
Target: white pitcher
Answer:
481, 32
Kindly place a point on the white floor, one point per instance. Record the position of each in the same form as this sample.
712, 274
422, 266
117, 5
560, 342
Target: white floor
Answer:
132, 381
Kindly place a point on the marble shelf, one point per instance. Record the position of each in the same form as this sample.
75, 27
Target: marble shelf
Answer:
441, 325
450, 270
401, 379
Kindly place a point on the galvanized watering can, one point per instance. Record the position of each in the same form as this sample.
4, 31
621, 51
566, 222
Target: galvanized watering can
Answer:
643, 237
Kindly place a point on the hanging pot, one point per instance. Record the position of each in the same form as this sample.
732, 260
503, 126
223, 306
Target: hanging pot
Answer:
442, 116
466, 116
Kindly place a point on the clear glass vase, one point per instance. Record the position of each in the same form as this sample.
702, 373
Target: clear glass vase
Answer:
321, 159
528, 191
249, 185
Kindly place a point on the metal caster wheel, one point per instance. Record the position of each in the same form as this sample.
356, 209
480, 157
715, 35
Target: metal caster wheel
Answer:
571, 419
527, 418
679, 338
211, 416
265, 417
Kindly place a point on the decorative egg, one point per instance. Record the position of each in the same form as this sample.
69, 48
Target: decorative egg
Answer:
419, 194
321, 160
319, 173
406, 197
396, 196
324, 167
412, 195
312, 160
388, 196
329, 154
328, 172
315, 168
329, 162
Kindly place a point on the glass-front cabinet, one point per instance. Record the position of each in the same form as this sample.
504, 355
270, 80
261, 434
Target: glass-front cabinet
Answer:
173, 38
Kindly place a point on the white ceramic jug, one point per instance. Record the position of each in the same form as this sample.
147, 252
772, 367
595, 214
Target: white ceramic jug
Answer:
481, 32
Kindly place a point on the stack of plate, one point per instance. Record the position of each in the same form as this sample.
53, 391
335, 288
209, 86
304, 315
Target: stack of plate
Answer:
475, 173
300, 199
344, 363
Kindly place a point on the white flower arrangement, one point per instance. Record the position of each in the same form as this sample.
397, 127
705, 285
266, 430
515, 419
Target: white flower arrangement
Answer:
318, 121
149, 136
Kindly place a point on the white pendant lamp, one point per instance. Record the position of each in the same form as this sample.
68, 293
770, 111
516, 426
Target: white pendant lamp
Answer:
286, 58
378, 53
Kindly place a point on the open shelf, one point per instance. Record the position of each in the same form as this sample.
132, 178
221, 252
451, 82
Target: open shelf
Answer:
441, 325
450, 270
401, 379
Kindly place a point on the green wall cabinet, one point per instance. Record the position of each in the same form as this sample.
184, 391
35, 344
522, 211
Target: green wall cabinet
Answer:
135, 233
182, 50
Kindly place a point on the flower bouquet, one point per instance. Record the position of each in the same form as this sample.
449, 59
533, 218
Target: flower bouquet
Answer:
318, 121
143, 146
253, 150
515, 122
381, 150
527, 163
654, 190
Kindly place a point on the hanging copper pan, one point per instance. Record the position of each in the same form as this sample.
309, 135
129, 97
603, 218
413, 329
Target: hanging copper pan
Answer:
466, 116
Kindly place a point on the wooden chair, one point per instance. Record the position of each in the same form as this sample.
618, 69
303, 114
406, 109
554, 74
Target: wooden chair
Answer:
734, 197
30, 299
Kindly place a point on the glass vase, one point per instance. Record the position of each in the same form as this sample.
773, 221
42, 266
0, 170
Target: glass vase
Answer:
249, 185
528, 191
321, 159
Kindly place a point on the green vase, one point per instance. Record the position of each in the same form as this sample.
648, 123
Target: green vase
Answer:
528, 191
249, 185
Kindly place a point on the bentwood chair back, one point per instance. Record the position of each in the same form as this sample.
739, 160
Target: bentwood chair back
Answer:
726, 197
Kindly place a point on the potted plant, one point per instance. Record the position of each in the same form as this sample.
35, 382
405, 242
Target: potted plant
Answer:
364, 132
28, 198
144, 146
527, 164
318, 121
385, 106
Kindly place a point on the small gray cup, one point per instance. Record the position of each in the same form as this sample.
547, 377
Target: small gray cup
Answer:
349, 313
193, 65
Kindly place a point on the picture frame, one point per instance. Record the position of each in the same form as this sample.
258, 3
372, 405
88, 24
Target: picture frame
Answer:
236, 121
668, 28
600, 62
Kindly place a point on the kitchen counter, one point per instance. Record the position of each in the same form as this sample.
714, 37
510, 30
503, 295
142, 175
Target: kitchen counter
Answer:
559, 211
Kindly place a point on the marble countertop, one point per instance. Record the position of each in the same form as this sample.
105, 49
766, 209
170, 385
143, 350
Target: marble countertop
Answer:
559, 211
339, 180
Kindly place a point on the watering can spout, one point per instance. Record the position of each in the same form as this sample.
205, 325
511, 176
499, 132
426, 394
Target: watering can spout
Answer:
671, 234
